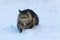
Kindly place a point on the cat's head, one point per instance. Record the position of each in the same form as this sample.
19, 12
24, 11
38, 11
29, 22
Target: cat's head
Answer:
24, 14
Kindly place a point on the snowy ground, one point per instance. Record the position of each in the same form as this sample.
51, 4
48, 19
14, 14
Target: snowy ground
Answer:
47, 10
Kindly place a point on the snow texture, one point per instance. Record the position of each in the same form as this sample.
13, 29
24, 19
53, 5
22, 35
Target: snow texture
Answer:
48, 12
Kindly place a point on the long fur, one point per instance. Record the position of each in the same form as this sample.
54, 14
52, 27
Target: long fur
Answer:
27, 21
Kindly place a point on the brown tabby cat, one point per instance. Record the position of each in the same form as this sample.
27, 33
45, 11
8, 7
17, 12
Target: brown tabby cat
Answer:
27, 19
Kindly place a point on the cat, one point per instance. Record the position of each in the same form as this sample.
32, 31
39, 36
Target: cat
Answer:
27, 19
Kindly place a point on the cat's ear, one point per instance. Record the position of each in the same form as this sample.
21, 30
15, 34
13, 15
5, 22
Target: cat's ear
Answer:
19, 11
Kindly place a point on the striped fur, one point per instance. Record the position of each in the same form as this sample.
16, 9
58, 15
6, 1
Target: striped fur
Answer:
27, 19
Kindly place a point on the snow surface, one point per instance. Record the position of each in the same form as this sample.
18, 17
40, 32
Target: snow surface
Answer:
49, 16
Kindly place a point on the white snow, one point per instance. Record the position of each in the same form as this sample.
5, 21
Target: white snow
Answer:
49, 19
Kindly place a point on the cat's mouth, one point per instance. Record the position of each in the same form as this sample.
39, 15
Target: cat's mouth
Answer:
24, 20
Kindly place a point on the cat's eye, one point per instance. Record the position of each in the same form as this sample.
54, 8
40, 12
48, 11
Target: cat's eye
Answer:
23, 17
